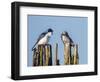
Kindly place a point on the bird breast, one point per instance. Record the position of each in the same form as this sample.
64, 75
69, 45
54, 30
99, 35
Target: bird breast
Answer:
43, 41
65, 39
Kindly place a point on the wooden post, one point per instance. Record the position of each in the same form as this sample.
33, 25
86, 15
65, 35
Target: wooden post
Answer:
56, 54
50, 54
72, 55
72, 59
67, 54
37, 58
34, 57
47, 55
42, 55
76, 58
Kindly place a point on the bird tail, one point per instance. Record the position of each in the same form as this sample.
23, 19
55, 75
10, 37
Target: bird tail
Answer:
34, 46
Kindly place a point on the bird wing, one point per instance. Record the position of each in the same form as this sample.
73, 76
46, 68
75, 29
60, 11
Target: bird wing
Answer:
39, 38
70, 39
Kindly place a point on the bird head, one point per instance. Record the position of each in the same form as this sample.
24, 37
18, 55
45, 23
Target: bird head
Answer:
50, 32
64, 33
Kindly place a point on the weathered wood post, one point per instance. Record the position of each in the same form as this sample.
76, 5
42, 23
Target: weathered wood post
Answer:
67, 54
47, 55
40, 47
56, 54
35, 57
76, 58
42, 56
50, 54
72, 54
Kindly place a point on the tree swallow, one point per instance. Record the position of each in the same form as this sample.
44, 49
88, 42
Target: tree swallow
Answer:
44, 38
66, 38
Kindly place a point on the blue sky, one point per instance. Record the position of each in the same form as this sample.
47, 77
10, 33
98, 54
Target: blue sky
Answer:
75, 26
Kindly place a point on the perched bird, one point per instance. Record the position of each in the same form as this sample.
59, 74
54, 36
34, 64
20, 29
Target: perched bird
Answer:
66, 38
44, 38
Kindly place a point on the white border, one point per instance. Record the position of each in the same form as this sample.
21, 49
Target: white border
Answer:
24, 70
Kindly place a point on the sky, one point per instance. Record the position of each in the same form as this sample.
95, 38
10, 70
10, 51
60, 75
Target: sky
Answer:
77, 28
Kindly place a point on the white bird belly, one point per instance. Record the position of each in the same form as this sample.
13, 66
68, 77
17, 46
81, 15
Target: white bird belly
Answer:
43, 41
